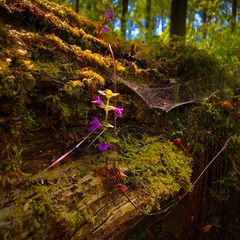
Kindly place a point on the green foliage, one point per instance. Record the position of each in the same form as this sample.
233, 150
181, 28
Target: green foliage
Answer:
216, 121
192, 71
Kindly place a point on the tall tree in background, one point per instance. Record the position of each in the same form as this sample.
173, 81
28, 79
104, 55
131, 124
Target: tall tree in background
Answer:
148, 19
234, 14
77, 6
124, 17
178, 16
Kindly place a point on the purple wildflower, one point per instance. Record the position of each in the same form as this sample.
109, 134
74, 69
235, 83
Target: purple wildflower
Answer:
103, 146
105, 29
98, 101
110, 15
119, 111
94, 124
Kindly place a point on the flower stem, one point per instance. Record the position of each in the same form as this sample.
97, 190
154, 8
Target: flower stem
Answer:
106, 111
97, 137
115, 101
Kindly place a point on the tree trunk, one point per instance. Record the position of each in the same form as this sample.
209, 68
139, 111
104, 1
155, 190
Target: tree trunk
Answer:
148, 19
77, 6
234, 14
178, 18
123, 18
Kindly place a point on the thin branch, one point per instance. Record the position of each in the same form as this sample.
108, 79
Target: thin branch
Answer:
67, 153
97, 137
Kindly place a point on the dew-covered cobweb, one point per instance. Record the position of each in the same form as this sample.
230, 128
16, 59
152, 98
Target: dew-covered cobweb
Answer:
171, 93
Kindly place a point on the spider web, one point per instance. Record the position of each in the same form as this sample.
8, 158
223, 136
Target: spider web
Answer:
171, 94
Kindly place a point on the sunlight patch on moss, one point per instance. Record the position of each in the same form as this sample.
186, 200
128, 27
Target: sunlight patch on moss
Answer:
91, 78
158, 169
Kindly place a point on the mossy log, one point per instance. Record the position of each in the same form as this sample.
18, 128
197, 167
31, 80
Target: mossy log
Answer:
52, 61
81, 198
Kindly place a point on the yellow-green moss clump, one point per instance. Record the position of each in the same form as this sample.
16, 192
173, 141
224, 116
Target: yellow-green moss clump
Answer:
87, 78
157, 168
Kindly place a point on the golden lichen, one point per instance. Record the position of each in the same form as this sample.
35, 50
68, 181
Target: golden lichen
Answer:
73, 87
90, 78
86, 78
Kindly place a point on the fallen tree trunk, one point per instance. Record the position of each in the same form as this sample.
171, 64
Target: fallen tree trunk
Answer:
82, 200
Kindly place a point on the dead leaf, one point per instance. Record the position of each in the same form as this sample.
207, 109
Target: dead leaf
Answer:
122, 188
178, 142
206, 228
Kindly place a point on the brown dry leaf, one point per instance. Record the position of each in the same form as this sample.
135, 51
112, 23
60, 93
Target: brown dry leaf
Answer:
206, 228
122, 188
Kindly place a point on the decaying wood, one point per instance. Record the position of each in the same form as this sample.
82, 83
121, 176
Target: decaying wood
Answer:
112, 214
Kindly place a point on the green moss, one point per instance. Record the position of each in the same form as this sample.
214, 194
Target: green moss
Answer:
45, 74
196, 71
158, 168
87, 78
216, 121
66, 13
73, 87
30, 13
91, 78
36, 211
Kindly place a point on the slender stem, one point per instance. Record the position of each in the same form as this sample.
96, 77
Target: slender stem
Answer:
115, 101
97, 137
106, 112
106, 161
205, 169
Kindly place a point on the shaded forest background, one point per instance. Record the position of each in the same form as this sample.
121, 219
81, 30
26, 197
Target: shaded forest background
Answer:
211, 25
204, 24
201, 21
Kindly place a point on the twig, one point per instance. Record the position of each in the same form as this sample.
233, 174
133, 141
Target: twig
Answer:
134, 205
67, 153
205, 169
